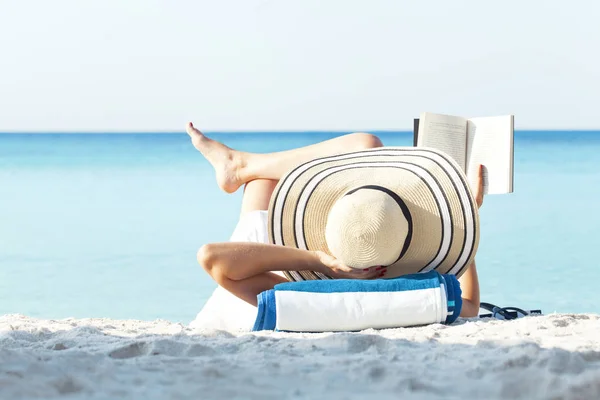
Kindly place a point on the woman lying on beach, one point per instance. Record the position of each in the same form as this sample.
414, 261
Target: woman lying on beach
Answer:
249, 265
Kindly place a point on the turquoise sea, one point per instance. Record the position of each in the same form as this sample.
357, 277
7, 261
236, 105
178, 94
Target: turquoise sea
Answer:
107, 225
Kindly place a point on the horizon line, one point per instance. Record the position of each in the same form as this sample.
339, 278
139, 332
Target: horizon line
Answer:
159, 132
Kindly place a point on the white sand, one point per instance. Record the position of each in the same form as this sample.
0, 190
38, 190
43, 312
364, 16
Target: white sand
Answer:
550, 357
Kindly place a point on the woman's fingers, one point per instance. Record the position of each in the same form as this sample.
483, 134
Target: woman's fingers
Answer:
371, 274
479, 192
342, 271
378, 272
367, 273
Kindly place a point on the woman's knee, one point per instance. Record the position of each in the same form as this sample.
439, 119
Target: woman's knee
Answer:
364, 140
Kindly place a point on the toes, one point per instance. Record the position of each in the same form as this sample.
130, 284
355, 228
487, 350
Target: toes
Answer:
190, 129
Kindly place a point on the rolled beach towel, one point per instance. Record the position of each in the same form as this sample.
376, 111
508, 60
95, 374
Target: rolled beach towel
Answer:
353, 305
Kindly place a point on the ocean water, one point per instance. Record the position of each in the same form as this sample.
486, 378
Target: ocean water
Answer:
107, 225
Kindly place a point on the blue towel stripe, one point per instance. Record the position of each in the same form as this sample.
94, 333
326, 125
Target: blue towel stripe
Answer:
260, 315
418, 281
453, 294
266, 317
271, 314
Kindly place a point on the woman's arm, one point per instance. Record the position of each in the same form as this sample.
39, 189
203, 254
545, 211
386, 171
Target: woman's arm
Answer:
469, 282
244, 269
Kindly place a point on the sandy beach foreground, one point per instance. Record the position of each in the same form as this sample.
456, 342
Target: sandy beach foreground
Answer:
548, 357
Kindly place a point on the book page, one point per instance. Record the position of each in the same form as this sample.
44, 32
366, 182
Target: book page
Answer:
446, 133
490, 142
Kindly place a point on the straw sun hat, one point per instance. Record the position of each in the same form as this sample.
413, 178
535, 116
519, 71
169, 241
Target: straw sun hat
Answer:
407, 208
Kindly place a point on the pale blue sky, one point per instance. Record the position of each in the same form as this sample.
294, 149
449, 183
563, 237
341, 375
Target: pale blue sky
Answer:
73, 65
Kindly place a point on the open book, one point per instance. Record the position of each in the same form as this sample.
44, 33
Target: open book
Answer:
473, 141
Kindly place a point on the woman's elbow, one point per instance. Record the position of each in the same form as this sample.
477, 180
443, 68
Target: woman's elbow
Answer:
468, 314
470, 309
206, 257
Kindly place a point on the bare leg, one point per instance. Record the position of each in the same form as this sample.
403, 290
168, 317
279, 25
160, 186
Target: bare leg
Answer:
260, 173
275, 165
257, 194
234, 168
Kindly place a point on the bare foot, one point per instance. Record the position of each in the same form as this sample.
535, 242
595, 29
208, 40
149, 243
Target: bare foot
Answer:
226, 162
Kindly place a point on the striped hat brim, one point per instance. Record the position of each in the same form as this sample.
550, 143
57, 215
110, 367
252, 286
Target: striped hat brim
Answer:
445, 219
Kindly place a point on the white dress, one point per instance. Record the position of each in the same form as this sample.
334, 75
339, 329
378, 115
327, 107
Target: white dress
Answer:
223, 310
